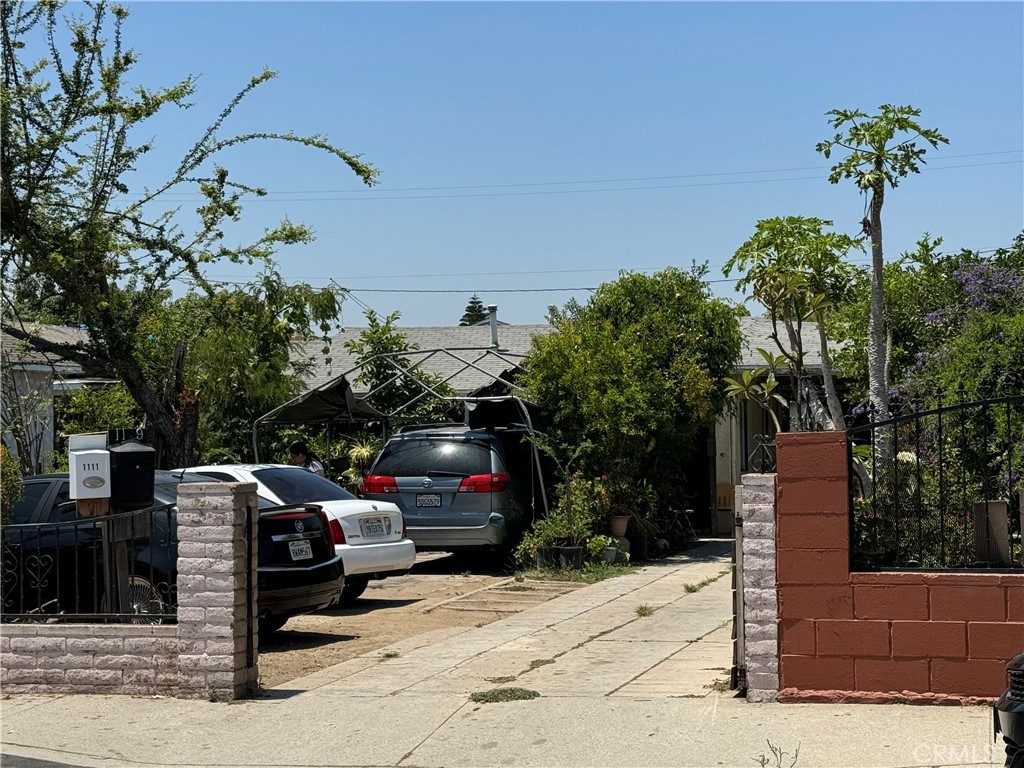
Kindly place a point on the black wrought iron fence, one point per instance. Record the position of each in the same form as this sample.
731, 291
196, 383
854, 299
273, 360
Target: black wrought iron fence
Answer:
117, 568
939, 487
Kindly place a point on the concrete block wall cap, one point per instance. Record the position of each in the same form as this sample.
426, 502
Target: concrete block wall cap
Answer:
215, 489
802, 696
759, 478
830, 437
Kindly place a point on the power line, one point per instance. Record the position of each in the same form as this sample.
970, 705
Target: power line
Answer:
534, 193
715, 174
351, 291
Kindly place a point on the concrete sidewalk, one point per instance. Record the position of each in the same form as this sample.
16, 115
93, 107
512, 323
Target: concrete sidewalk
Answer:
616, 688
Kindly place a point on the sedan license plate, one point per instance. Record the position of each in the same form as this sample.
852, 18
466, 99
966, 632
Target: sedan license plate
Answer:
428, 499
374, 527
301, 550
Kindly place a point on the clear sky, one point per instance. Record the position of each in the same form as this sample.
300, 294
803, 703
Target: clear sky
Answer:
528, 146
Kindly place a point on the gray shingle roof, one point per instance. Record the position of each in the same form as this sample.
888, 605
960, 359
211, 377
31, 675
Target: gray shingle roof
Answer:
464, 343
756, 333
20, 350
515, 341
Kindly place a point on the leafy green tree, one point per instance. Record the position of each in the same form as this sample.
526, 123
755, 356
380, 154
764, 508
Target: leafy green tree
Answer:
633, 374
398, 388
881, 150
974, 343
67, 142
10, 484
951, 320
242, 358
797, 271
475, 312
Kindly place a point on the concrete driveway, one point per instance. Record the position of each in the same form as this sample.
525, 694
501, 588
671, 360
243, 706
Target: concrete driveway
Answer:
614, 685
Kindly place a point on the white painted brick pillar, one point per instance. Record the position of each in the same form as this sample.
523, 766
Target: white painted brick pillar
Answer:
760, 597
217, 641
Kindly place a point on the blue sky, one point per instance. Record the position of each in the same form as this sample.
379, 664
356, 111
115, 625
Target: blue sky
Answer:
527, 146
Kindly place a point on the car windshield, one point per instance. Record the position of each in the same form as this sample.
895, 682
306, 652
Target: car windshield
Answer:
299, 486
417, 457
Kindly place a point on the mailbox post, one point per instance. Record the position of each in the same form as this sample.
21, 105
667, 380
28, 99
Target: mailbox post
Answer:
118, 478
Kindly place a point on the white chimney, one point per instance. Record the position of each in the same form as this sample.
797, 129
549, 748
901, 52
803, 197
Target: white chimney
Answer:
492, 314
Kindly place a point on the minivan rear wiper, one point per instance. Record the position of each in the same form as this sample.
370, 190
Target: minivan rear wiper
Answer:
444, 473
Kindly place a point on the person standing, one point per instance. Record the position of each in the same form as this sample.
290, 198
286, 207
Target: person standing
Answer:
303, 457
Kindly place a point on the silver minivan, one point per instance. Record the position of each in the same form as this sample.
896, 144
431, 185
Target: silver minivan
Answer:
458, 488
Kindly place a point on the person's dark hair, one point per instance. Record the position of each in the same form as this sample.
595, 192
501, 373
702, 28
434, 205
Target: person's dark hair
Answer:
299, 448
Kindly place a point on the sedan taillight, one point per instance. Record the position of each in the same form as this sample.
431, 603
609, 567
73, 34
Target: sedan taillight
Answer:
493, 483
379, 484
337, 535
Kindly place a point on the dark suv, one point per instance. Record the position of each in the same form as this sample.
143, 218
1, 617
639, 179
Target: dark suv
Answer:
459, 488
1009, 713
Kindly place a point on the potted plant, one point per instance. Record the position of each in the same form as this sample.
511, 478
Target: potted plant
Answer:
603, 548
361, 454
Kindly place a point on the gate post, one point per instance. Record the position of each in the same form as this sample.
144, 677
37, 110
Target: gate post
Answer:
760, 601
217, 630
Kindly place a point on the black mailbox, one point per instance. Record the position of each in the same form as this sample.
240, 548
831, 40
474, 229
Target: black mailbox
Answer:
132, 472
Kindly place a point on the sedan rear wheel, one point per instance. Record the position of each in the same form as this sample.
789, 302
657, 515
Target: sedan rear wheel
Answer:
353, 589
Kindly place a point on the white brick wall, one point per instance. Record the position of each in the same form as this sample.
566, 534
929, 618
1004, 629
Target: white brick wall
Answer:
204, 656
760, 598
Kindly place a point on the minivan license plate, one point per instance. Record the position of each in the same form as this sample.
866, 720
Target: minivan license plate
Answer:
428, 499
301, 550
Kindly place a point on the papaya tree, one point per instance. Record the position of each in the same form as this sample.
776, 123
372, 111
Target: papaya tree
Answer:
878, 151
797, 271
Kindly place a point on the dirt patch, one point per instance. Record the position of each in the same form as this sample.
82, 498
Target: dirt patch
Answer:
390, 610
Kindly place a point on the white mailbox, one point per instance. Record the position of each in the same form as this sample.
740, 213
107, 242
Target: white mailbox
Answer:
89, 464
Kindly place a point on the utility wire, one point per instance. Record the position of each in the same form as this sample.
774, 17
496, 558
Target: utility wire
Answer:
534, 193
618, 181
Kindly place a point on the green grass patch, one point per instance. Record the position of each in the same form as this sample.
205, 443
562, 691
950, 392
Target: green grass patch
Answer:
518, 588
719, 686
591, 573
644, 610
389, 655
540, 663
701, 584
500, 680
497, 695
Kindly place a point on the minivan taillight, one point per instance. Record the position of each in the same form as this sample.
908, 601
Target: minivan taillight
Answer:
337, 535
493, 483
379, 484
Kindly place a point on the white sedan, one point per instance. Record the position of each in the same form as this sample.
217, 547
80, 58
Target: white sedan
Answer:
370, 536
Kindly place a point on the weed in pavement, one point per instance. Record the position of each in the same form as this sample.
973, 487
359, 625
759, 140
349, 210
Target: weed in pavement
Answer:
778, 758
496, 695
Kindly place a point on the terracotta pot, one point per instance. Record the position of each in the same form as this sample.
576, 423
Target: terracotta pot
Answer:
618, 525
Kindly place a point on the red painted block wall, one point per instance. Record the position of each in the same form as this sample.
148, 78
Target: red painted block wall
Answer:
876, 636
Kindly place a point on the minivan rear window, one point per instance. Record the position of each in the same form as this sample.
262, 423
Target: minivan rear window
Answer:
417, 457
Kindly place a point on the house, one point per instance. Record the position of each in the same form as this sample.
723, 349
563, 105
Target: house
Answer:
744, 437
469, 358
33, 373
